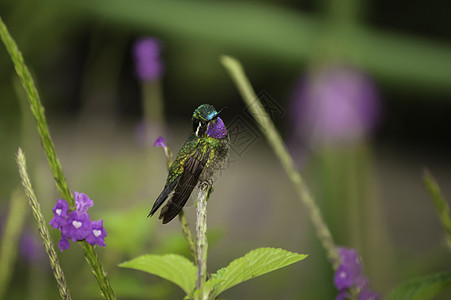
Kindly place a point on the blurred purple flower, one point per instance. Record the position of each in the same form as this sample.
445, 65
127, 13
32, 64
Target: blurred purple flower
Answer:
146, 52
350, 275
160, 142
30, 246
335, 104
367, 294
77, 225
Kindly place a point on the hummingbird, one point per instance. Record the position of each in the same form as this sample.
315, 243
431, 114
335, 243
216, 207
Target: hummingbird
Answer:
204, 152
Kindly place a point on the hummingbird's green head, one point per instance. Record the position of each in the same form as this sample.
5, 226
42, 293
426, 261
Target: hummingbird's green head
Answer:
206, 122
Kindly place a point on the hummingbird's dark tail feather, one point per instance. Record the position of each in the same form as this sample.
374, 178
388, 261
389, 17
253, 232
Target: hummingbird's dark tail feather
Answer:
163, 196
193, 167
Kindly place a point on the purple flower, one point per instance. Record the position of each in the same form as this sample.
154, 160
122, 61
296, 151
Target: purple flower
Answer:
64, 243
77, 227
30, 247
345, 276
97, 234
335, 104
160, 142
82, 202
350, 275
146, 52
367, 294
343, 294
60, 210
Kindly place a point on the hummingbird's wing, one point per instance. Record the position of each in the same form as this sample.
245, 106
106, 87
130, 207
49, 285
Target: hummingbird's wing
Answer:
166, 193
192, 168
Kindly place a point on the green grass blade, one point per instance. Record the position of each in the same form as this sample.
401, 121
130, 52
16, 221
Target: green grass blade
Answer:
42, 227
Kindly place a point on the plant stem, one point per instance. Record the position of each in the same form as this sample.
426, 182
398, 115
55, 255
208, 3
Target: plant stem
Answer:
202, 243
38, 112
42, 227
441, 206
97, 269
55, 167
267, 127
10, 240
188, 235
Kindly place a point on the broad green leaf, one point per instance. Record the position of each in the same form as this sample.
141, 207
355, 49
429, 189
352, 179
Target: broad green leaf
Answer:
421, 288
172, 267
255, 263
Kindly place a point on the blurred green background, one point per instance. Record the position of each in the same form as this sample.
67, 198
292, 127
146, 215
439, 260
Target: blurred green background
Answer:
368, 184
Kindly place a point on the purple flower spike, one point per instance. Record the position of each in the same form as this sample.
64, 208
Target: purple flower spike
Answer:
97, 234
64, 243
350, 275
342, 295
367, 294
30, 247
146, 52
344, 277
82, 202
160, 142
78, 226
336, 104
60, 210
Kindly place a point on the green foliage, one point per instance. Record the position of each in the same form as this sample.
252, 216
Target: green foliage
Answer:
183, 273
421, 288
172, 267
128, 230
255, 263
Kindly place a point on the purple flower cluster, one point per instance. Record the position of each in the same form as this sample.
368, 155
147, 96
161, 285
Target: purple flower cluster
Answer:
77, 225
148, 64
335, 104
350, 275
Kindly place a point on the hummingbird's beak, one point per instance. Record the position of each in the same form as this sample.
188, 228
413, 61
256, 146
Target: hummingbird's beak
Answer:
217, 114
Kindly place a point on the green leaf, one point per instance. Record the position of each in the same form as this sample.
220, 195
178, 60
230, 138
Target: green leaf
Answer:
172, 267
421, 288
255, 263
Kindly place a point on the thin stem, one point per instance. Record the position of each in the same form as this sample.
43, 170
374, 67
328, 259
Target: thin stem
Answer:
55, 167
188, 235
202, 242
42, 227
267, 127
441, 206
11, 234
38, 112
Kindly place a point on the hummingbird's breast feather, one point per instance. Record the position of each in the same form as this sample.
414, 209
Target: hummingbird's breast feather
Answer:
218, 152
